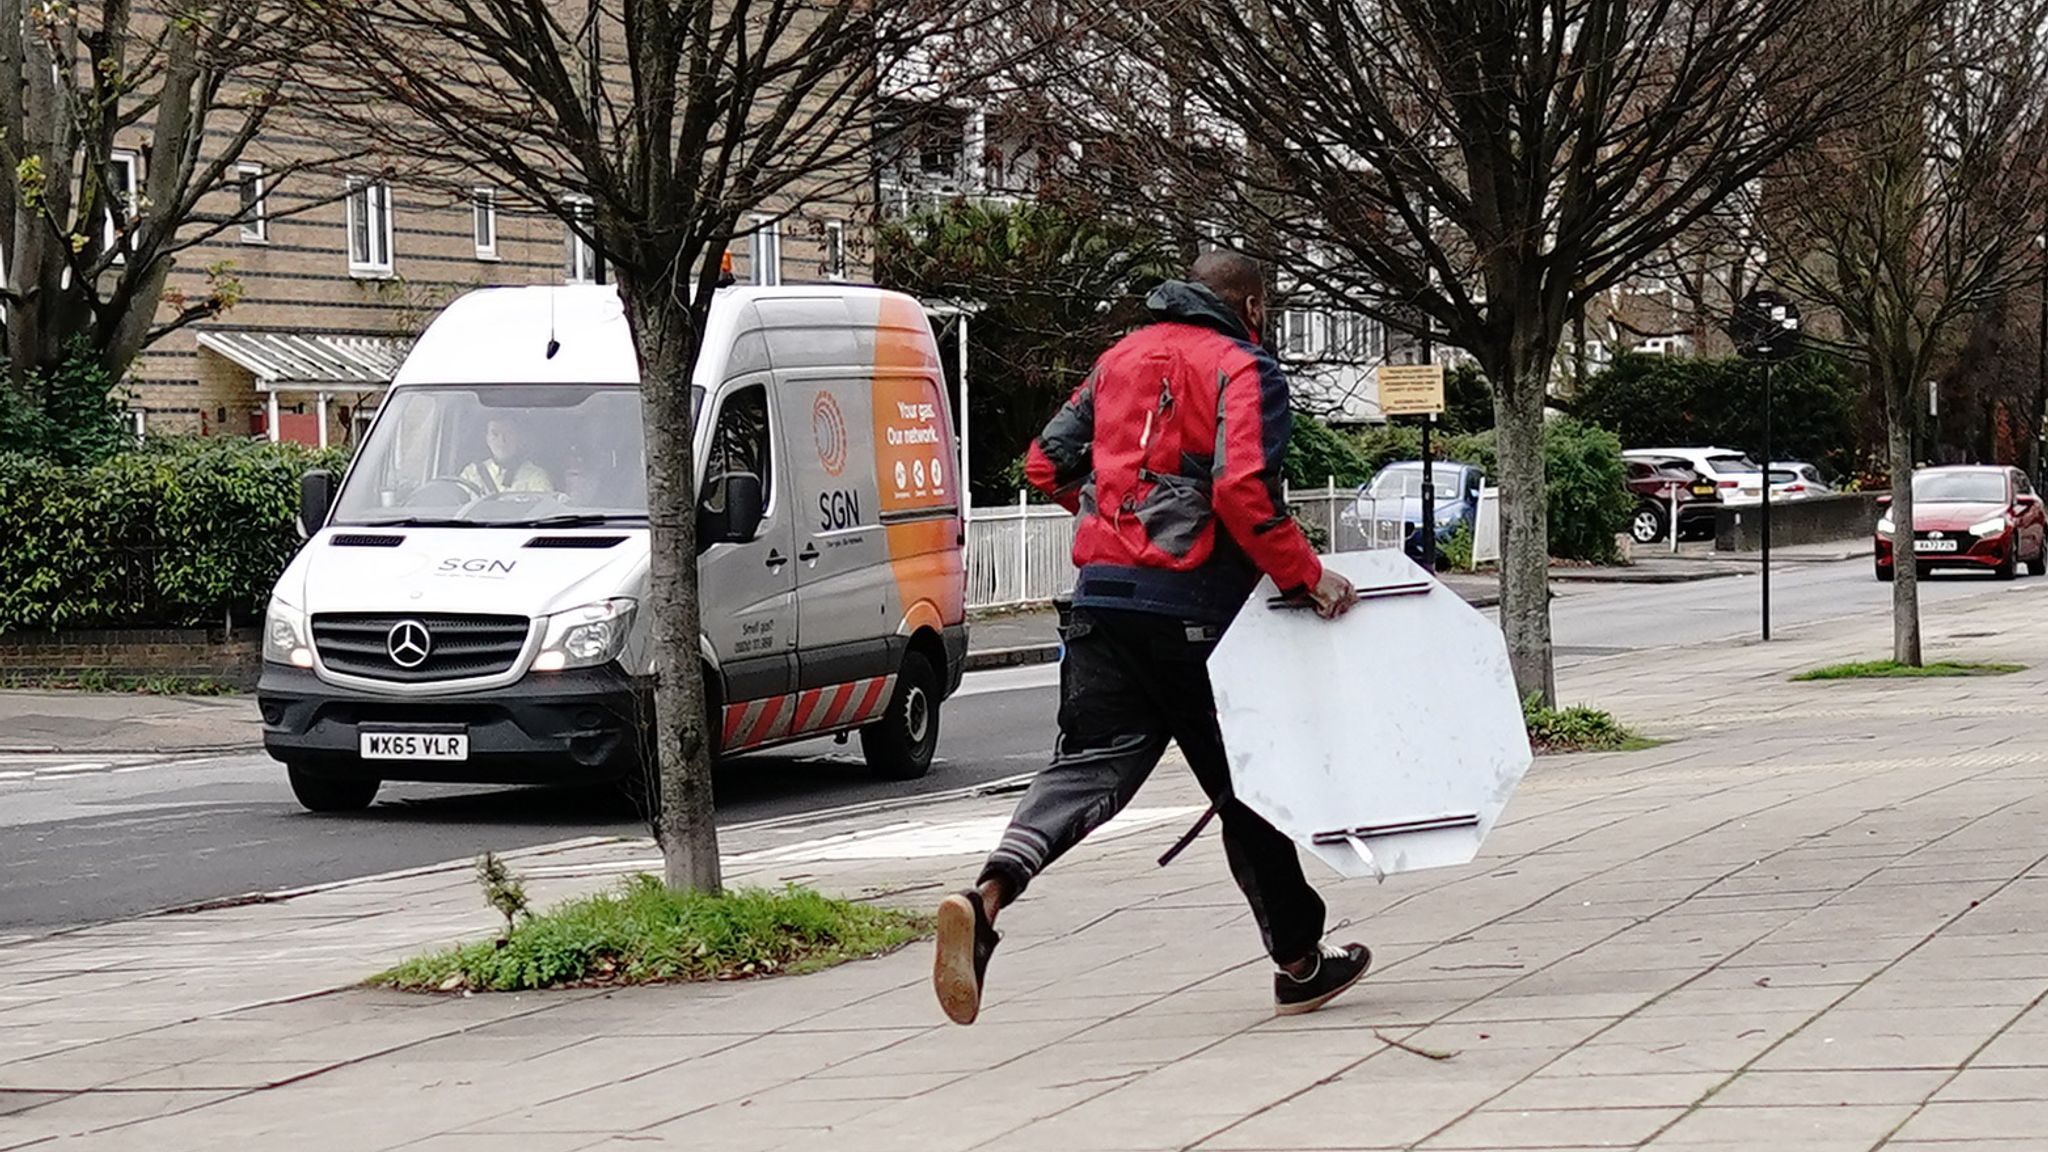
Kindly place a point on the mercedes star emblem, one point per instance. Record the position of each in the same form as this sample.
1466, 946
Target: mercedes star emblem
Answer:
409, 643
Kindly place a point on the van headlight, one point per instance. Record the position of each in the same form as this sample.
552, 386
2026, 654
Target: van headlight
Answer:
586, 637
284, 636
1884, 526
1992, 527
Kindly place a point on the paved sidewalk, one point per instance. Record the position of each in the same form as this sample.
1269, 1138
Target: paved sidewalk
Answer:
1814, 920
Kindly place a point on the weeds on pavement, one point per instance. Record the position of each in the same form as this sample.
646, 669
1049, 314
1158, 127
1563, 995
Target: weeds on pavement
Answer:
1893, 670
1576, 729
642, 932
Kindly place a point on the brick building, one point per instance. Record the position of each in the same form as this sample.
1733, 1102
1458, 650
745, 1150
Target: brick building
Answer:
339, 270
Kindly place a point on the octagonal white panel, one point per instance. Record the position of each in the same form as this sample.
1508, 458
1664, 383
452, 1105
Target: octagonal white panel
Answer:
1383, 742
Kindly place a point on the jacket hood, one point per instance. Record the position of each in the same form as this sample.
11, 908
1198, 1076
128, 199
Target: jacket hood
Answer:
1183, 302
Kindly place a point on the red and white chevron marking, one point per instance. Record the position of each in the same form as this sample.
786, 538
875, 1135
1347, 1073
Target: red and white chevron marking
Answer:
778, 718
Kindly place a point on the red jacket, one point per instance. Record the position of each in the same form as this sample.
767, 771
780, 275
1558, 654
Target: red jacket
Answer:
1170, 452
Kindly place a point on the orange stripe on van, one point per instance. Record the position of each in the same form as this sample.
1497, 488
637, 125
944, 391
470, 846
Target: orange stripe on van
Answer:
924, 555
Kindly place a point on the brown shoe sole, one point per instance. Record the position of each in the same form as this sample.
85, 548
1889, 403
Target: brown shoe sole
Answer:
1308, 1006
953, 967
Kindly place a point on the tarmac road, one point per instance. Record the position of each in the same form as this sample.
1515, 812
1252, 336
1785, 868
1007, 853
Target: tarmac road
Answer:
87, 839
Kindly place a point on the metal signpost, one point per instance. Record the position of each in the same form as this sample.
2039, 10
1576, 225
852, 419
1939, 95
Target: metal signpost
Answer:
1417, 390
1766, 329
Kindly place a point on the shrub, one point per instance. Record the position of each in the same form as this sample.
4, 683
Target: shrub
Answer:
181, 532
67, 415
1589, 498
1684, 401
1316, 452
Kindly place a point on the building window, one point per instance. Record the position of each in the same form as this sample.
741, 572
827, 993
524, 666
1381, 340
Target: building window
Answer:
1295, 324
125, 170
255, 213
835, 250
483, 211
767, 252
369, 227
579, 261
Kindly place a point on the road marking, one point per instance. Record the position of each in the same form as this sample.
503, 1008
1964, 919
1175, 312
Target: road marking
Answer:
33, 768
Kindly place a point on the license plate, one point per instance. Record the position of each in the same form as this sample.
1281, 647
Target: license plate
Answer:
1703, 489
414, 745
1934, 545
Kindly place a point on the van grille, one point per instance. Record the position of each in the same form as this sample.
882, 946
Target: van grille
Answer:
458, 647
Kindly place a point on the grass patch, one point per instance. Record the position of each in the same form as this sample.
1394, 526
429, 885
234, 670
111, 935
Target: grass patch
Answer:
644, 933
97, 681
1577, 729
1893, 670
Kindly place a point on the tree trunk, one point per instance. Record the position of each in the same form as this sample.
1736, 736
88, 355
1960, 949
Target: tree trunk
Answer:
668, 338
1899, 419
1518, 397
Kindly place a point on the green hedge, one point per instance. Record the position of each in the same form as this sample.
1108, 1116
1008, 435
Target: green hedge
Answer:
179, 533
1684, 401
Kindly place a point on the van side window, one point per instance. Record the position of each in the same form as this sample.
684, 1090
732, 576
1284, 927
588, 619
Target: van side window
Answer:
740, 443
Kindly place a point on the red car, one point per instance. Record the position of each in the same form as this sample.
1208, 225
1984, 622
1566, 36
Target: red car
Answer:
1973, 516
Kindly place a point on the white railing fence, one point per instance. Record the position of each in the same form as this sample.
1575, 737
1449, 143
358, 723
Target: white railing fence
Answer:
1022, 553
1019, 553
1341, 520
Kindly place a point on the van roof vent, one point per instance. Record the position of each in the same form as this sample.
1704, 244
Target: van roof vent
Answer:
574, 541
365, 540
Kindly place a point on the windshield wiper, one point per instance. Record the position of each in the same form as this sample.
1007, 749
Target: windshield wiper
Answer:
573, 520
419, 522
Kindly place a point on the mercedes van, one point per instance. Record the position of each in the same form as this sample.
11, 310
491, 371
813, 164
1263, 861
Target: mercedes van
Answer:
470, 602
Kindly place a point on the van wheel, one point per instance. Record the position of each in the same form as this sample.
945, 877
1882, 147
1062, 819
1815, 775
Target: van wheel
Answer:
329, 793
899, 746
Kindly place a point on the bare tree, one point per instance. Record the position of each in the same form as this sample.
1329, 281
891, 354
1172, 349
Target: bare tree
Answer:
1474, 171
91, 235
1907, 226
653, 127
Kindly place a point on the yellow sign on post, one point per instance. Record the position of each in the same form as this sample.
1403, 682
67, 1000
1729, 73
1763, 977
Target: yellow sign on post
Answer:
1411, 389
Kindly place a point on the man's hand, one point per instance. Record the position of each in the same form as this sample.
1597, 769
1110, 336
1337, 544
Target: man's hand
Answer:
1333, 595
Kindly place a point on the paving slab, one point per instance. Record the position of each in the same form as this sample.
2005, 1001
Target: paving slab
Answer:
1798, 926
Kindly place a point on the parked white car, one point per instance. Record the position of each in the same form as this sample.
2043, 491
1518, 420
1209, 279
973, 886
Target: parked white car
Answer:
1797, 480
1739, 478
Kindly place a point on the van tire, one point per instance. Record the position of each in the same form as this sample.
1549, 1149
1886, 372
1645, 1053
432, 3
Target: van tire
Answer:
331, 793
900, 745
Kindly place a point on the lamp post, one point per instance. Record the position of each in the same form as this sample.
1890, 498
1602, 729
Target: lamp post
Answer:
2035, 462
1766, 329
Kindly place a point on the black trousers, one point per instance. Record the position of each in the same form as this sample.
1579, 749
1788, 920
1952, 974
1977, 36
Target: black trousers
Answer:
1131, 682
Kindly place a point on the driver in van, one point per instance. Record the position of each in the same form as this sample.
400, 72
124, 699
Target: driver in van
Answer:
508, 468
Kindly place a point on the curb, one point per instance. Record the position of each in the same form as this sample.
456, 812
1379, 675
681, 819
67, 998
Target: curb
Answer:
1596, 576
1018, 657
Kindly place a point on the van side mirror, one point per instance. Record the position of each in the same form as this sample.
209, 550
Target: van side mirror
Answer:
316, 500
736, 519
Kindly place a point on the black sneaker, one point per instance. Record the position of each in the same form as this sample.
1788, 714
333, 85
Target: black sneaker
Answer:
1336, 970
966, 941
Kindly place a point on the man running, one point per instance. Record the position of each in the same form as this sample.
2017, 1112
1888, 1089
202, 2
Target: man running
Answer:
1170, 455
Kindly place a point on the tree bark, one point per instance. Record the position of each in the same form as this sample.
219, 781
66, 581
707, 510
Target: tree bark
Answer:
1518, 400
668, 336
1899, 417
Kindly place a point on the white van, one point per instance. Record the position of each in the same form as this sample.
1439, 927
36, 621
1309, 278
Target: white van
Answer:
468, 605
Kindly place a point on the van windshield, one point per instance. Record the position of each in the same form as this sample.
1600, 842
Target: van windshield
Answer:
496, 455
